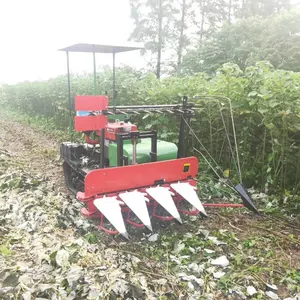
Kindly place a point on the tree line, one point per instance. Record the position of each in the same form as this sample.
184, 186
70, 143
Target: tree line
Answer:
188, 36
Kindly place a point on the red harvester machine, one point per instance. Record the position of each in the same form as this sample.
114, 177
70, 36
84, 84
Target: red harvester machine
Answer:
122, 174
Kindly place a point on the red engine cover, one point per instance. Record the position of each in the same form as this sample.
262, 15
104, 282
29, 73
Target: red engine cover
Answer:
118, 127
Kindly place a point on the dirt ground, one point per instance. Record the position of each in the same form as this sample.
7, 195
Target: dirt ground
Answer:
48, 251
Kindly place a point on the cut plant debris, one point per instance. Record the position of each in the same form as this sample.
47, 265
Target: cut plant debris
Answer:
48, 250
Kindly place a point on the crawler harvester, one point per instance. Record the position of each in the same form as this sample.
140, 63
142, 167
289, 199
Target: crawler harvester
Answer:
124, 175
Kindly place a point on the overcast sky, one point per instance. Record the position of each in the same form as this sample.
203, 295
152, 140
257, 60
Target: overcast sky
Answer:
33, 30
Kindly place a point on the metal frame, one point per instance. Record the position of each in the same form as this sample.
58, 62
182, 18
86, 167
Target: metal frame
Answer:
185, 110
129, 136
95, 48
162, 108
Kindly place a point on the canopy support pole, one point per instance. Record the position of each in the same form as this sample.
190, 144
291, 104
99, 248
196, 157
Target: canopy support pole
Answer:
95, 74
69, 97
114, 79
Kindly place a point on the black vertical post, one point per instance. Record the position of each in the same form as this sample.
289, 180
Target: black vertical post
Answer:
119, 150
102, 145
69, 99
181, 138
154, 146
187, 143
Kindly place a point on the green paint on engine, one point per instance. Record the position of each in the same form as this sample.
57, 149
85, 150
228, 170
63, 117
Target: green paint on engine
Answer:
165, 151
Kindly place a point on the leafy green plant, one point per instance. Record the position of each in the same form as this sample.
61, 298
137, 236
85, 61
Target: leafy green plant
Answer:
5, 251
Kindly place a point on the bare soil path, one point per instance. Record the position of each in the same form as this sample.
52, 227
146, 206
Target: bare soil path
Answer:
48, 251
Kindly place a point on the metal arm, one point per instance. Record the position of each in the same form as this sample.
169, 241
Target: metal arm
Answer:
165, 108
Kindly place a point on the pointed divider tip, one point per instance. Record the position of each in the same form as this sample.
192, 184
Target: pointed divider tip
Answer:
126, 235
188, 192
136, 201
163, 196
111, 209
247, 201
149, 227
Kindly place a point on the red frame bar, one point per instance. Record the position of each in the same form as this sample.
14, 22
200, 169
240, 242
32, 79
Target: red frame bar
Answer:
91, 103
90, 123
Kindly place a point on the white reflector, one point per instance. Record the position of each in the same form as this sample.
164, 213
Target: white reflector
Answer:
163, 196
188, 192
110, 208
136, 201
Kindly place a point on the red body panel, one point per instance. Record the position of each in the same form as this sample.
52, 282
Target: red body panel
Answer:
91, 103
123, 178
90, 123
